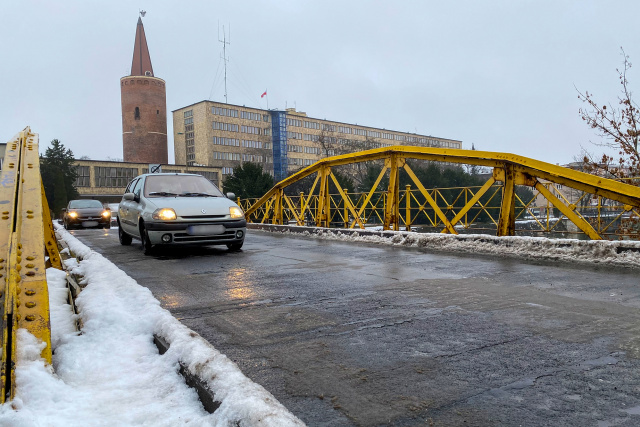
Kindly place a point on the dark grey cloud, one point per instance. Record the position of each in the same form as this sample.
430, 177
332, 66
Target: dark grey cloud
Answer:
498, 74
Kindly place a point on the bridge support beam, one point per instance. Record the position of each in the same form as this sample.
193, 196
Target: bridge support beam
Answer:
568, 212
323, 213
392, 210
507, 221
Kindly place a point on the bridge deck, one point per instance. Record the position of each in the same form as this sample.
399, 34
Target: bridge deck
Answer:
357, 334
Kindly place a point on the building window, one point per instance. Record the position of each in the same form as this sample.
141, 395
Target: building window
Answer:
224, 155
136, 114
226, 141
211, 176
251, 144
83, 179
188, 114
250, 129
250, 116
228, 127
114, 177
228, 112
294, 122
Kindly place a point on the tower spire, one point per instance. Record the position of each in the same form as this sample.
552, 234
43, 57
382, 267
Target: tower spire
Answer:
141, 65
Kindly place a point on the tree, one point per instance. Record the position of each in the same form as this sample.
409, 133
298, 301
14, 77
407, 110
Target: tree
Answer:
336, 144
619, 126
248, 181
58, 175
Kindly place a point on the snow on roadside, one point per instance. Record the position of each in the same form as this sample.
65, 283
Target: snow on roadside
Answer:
112, 373
614, 253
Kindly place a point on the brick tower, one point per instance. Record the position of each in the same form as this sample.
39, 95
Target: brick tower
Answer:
144, 108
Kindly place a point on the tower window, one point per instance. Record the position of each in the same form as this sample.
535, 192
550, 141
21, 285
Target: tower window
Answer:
157, 111
137, 114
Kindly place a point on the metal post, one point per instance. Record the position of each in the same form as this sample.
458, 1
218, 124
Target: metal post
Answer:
346, 210
392, 209
278, 209
323, 218
507, 222
407, 216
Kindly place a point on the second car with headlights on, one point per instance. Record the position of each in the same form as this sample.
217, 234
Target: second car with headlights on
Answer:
178, 208
86, 213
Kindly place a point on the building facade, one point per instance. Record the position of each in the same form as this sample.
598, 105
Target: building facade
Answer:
224, 135
106, 180
144, 108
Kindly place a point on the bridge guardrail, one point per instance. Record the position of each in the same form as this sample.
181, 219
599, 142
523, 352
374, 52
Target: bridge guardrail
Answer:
27, 247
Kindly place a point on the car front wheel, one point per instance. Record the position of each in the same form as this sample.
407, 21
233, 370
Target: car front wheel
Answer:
235, 246
147, 247
124, 238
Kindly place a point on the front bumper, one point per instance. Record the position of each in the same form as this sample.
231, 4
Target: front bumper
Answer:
89, 222
233, 232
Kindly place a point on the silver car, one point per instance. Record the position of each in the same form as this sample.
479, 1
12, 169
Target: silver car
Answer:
179, 208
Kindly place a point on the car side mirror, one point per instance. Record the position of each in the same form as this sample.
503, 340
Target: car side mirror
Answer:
129, 196
231, 196
63, 209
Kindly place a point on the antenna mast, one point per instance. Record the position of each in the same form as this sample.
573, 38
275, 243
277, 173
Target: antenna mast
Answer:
224, 55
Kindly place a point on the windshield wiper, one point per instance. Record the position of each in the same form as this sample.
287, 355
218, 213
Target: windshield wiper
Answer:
198, 195
162, 193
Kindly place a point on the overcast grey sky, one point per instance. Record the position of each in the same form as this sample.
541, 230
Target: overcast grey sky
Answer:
498, 74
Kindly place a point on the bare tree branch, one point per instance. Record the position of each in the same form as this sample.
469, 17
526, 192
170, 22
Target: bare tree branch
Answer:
619, 128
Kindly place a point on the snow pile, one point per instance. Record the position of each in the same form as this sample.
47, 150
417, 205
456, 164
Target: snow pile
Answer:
112, 373
619, 253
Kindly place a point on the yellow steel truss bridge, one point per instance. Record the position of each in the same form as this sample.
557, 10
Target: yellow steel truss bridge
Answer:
597, 207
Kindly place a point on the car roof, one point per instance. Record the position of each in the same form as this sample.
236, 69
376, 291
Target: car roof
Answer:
168, 174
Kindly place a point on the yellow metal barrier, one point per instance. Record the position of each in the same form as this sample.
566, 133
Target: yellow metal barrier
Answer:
600, 204
27, 247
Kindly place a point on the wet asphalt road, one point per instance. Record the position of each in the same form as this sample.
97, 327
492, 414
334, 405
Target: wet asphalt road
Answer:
350, 334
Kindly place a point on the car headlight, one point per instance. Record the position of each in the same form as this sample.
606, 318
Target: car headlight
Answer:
165, 214
106, 214
73, 214
236, 212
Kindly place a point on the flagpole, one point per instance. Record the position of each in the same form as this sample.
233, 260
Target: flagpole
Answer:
267, 90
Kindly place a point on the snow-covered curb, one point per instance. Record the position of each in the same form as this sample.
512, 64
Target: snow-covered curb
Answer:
112, 373
617, 253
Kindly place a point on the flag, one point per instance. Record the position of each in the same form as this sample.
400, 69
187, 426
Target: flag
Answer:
264, 94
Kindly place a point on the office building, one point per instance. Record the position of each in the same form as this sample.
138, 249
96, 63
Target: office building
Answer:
224, 135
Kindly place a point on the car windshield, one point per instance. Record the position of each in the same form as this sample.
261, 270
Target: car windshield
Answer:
80, 204
180, 185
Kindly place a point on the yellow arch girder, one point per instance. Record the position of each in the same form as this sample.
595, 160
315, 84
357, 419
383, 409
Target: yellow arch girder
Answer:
510, 169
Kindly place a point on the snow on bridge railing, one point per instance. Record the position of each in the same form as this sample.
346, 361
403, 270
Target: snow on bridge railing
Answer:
27, 247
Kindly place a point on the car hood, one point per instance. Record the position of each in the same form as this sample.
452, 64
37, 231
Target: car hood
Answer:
194, 206
88, 211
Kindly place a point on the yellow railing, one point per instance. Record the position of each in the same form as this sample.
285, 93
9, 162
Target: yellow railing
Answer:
594, 206
27, 247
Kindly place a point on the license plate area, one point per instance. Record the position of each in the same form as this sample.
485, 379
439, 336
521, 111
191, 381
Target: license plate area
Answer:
205, 230
89, 223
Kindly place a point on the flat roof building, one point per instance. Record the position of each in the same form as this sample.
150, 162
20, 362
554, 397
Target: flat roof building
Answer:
282, 141
106, 180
